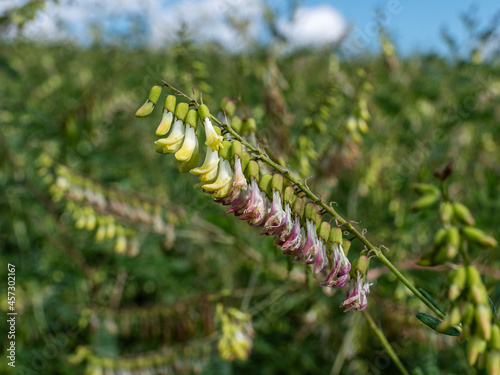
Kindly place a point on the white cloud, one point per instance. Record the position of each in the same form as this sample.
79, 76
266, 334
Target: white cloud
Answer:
207, 20
314, 26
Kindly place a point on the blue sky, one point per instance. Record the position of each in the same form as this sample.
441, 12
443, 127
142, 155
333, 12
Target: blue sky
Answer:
414, 25
417, 23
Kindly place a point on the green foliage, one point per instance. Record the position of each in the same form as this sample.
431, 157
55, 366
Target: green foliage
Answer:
363, 130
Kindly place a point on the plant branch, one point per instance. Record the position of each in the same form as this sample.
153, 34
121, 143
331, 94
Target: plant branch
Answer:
374, 251
385, 343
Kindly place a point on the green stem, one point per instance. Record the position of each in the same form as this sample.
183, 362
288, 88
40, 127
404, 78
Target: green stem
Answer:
260, 154
387, 346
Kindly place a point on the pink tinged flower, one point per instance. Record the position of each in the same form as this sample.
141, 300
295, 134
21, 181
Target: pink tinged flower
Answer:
256, 207
284, 234
240, 181
321, 259
339, 273
308, 250
356, 296
296, 239
277, 217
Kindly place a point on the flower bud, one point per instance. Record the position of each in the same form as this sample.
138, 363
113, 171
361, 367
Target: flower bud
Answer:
483, 321
150, 103
228, 106
424, 189
424, 202
463, 214
478, 236
475, 346
446, 213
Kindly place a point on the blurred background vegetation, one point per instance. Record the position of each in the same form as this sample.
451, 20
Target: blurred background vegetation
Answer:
143, 293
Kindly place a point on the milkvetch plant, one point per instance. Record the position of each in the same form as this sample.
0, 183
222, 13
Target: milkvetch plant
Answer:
264, 193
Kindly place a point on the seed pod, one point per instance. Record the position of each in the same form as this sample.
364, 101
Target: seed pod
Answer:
440, 236
483, 321
346, 245
289, 196
324, 231
463, 214
475, 346
446, 213
478, 236
168, 115
363, 264
277, 183
150, 103
228, 106
252, 171
424, 202
236, 124
493, 362
495, 337
458, 281
310, 211
424, 189
451, 319
249, 126
336, 235
265, 185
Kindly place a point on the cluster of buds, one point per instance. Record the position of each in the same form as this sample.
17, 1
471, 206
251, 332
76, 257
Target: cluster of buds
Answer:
110, 213
237, 334
179, 322
106, 228
458, 226
190, 359
471, 308
234, 179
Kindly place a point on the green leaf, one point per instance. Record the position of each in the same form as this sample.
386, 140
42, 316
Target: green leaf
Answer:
493, 308
431, 300
433, 322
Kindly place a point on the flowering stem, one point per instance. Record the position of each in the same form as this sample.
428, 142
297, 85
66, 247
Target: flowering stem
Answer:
387, 346
375, 251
